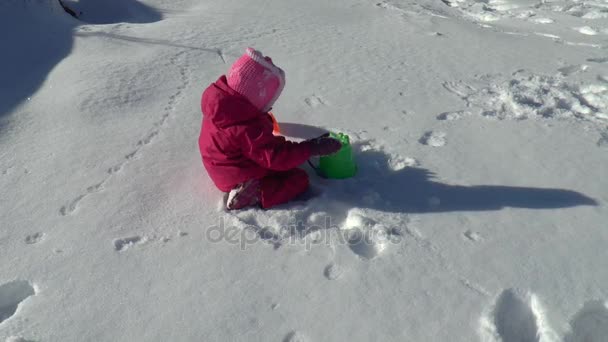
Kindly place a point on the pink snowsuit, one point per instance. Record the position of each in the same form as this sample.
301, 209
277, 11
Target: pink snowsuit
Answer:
237, 144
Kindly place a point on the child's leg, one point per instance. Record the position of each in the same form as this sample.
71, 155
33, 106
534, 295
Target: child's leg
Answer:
281, 187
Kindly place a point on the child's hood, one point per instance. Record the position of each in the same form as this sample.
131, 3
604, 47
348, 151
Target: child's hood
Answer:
224, 106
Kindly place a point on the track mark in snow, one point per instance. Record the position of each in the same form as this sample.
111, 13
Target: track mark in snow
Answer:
452, 3
220, 53
473, 236
314, 101
590, 324
459, 88
433, 138
17, 339
125, 243
332, 271
71, 207
598, 60
367, 244
146, 140
12, 294
365, 237
95, 188
34, 238
7, 170
451, 116
603, 140
295, 336
572, 69
442, 261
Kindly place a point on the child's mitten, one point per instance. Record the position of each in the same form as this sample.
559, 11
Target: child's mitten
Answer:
324, 145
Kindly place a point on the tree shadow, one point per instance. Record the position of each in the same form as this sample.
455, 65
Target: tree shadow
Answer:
36, 36
414, 190
113, 11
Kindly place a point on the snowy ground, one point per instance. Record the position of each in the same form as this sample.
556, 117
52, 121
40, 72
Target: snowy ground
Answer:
478, 213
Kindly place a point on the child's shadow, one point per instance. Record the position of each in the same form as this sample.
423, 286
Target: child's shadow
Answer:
413, 190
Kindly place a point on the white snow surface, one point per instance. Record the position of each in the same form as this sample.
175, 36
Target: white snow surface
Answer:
478, 213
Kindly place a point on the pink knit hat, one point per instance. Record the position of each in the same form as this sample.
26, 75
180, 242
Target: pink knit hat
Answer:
257, 79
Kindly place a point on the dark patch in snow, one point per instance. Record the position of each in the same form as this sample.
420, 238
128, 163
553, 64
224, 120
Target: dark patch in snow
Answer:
590, 323
112, 11
514, 318
11, 295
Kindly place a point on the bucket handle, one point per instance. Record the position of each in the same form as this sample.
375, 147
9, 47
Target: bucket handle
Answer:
312, 165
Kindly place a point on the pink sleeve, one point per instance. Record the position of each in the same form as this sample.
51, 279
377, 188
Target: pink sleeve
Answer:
269, 151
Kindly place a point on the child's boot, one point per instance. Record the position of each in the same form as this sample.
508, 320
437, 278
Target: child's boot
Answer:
244, 195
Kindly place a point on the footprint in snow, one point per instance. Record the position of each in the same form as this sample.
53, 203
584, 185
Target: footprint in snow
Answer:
365, 237
572, 69
34, 238
516, 316
473, 236
598, 60
459, 88
519, 316
603, 140
433, 138
295, 336
12, 294
590, 324
333, 271
126, 243
451, 116
314, 101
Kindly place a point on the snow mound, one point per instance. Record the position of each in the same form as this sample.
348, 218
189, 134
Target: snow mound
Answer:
527, 95
491, 10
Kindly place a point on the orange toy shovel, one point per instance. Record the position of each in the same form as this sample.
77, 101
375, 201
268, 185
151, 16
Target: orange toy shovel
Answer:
276, 130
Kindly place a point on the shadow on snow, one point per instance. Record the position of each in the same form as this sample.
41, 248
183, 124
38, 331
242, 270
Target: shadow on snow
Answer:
37, 34
415, 190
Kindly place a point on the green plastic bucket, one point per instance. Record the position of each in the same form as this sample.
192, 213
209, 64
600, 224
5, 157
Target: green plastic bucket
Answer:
341, 164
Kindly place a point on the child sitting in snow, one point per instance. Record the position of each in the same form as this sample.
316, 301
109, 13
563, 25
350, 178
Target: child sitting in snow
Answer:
239, 150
